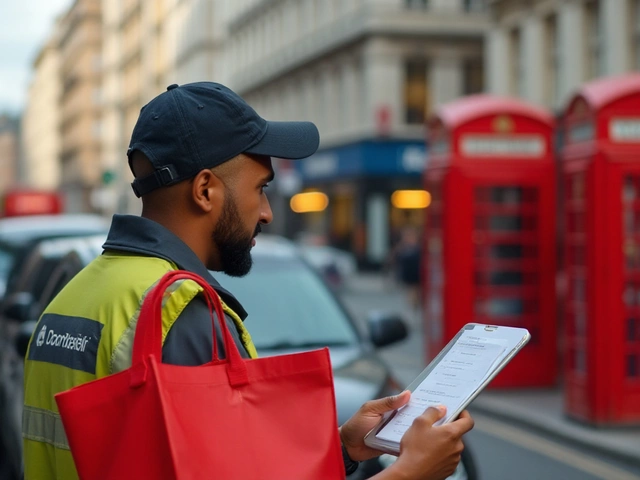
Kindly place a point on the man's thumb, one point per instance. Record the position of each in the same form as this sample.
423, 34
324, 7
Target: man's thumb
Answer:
435, 413
386, 404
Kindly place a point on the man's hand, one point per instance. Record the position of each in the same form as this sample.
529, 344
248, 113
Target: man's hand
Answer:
429, 452
353, 431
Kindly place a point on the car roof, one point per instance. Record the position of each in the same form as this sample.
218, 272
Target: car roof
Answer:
270, 245
90, 246
54, 247
32, 227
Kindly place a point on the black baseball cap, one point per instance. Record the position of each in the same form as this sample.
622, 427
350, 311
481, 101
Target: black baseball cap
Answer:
200, 125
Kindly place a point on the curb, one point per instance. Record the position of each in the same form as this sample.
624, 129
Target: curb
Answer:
557, 432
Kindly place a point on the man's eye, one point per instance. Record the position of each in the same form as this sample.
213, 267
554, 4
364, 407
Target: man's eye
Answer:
266, 185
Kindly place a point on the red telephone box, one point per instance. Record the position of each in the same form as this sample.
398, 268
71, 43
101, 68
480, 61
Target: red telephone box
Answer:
601, 175
489, 239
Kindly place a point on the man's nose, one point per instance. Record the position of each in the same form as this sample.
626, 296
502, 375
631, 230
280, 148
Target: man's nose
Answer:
266, 217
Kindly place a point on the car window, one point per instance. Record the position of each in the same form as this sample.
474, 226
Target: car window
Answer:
6, 261
66, 269
35, 275
289, 306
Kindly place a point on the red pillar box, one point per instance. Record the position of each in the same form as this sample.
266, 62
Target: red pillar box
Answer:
601, 175
489, 243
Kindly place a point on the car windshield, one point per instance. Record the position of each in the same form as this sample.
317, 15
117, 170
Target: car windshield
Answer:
289, 306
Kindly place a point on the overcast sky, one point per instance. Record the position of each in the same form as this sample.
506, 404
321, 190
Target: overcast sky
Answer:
25, 25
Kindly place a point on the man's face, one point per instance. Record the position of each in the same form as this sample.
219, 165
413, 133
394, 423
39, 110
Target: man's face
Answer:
244, 210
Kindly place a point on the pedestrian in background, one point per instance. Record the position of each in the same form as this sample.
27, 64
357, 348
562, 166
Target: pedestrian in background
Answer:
404, 264
201, 158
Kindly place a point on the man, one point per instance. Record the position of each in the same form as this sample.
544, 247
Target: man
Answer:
201, 158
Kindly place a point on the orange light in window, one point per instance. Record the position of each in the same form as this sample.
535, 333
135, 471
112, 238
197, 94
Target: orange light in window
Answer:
309, 202
410, 199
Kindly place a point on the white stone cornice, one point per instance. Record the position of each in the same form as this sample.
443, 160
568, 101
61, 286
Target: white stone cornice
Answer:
352, 28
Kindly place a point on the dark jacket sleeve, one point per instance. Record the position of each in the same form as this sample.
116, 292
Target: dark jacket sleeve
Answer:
189, 341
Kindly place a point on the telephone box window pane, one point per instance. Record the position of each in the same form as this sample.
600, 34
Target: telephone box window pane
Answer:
633, 366
512, 223
579, 258
506, 251
629, 190
630, 295
581, 323
506, 195
504, 307
631, 255
629, 221
633, 332
579, 290
506, 278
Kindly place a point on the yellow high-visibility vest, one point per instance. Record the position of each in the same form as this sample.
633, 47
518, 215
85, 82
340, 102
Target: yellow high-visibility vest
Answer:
86, 333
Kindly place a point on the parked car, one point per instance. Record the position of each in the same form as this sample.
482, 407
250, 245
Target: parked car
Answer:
335, 265
19, 234
18, 237
290, 309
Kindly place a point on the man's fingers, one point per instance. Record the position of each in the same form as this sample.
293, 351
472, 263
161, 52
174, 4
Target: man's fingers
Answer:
433, 414
464, 423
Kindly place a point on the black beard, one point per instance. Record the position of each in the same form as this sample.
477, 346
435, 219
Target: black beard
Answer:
234, 248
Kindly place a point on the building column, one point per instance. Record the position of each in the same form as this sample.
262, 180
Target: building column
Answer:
383, 81
616, 35
497, 62
572, 64
444, 78
351, 95
533, 57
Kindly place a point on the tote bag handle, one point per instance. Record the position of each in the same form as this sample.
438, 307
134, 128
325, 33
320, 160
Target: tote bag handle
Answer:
148, 336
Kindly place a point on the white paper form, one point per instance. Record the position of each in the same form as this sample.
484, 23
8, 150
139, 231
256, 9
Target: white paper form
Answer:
456, 377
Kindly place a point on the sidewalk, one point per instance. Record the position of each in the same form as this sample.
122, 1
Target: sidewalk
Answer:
540, 410
543, 410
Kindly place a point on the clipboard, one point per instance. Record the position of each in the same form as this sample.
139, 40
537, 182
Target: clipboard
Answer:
455, 377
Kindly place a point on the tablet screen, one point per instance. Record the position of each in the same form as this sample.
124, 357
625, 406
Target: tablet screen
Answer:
454, 379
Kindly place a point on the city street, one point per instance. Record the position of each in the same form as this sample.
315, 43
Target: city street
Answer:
502, 450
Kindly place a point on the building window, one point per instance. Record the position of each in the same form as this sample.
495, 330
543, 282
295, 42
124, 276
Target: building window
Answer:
473, 5
473, 77
594, 40
417, 4
552, 61
415, 91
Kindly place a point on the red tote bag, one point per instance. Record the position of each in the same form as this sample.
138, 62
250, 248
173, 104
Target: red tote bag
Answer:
271, 418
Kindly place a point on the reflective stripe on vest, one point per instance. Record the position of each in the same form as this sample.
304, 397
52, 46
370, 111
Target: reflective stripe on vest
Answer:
245, 336
43, 425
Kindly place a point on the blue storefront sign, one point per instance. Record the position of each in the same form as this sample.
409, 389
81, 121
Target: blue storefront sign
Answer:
365, 158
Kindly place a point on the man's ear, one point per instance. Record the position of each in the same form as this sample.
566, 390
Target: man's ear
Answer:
207, 191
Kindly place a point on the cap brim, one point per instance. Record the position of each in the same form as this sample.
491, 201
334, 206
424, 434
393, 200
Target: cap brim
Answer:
291, 140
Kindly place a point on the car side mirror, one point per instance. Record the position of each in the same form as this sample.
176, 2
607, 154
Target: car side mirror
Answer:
18, 307
385, 329
24, 336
